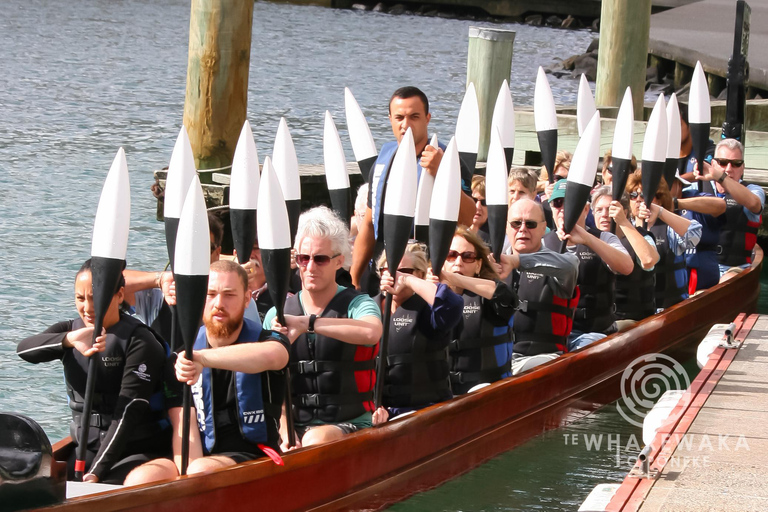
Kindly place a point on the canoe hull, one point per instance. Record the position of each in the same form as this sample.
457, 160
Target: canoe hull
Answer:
380, 466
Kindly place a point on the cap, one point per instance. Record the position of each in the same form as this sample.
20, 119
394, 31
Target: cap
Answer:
558, 191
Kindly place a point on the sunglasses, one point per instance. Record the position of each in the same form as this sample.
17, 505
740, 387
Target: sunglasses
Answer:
557, 178
402, 270
723, 162
557, 203
302, 260
481, 201
466, 256
635, 194
530, 224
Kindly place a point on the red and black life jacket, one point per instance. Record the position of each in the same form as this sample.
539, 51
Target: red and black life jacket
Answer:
738, 235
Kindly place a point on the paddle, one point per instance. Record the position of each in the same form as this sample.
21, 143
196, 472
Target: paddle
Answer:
621, 151
423, 200
545, 119
581, 176
108, 248
399, 207
468, 132
673, 140
244, 194
444, 209
192, 265
699, 117
181, 170
363, 145
736, 94
496, 193
503, 120
275, 242
654, 151
286, 167
585, 105
336, 170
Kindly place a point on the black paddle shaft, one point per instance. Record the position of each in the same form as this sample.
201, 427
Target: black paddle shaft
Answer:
85, 420
381, 367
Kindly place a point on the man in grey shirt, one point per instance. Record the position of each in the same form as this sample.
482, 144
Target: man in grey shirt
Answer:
545, 282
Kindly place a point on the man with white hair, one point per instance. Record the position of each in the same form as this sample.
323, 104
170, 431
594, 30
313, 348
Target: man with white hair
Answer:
334, 332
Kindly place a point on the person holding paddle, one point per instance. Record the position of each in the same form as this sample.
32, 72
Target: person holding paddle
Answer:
128, 421
236, 384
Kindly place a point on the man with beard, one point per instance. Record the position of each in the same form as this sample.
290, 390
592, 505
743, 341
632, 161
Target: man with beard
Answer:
237, 394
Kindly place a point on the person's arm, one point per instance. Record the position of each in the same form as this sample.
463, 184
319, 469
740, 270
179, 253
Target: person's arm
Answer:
142, 374
363, 249
52, 343
647, 255
362, 331
739, 192
678, 223
483, 287
714, 206
617, 260
136, 280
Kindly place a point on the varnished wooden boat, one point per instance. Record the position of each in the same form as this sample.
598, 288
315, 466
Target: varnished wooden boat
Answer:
379, 466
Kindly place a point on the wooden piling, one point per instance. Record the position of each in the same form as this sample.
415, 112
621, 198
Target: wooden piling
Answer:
217, 78
623, 53
489, 63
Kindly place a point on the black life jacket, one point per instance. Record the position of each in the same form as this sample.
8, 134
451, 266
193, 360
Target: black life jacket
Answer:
738, 235
417, 367
481, 350
597, 285
543, 320
635, 293
109, 376
331, 381
668, 291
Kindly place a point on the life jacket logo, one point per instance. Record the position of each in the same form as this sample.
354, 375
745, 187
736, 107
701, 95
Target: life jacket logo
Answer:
402, 321
471, 309
110, 362
251, 417
197, 397
141, 372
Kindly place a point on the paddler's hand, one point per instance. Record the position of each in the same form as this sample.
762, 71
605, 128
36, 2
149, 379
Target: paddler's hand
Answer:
294, 266
168, 285
548, 191
380, 416
578, 235
432, 278
643, 213
284, 442
255, 273
188, 371
707, 175
616, 212
90, 478
82, 341
295, 326
430, 159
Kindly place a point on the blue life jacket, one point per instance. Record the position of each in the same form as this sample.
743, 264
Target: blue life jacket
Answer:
250, 402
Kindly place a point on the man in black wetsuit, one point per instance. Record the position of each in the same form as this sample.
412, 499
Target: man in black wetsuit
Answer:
235, 382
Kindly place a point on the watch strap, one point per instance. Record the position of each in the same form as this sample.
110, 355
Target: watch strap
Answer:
311, 326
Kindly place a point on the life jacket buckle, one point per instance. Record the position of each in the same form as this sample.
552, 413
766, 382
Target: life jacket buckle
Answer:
310, 400
523, 306
719, 249
306, 367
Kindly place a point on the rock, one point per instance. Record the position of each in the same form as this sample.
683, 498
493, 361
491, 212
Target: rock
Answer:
446, 15
593, 45
534, 19
397, 9
657, 89
553, 21
431, 13
379, 7
554, 67
652, 75
571, 22
595, 26
559, 74
723, 94
359, 7
585, 64
568, 63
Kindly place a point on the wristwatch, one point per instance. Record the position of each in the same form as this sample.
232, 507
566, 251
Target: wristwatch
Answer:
722, 177
311, 326
674, 202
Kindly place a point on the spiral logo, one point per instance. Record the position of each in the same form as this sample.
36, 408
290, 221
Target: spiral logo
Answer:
644, 381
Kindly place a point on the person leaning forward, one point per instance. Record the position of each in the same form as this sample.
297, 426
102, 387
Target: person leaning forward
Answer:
408, 108
545, 282
334, 332
236, 379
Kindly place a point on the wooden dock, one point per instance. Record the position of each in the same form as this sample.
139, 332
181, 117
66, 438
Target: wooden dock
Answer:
712, 452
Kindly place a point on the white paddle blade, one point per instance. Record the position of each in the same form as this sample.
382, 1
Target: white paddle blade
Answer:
181, 170
673, 128
424, 198
698, 102
272, 224
624, 132
585, 105
468, 122
360, 135
193, 239
503, 118
446, 192
433, 141
333, 156
544, 114
401, 185
113, 215
655, 141
587, 154
244, 184
285, 162
496, 188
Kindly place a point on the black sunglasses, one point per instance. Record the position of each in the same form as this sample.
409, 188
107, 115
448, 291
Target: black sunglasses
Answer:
403, 270
466, 256
481, 201
557, 178
557, 203
530, 224
636, 194
320, 259
723, 162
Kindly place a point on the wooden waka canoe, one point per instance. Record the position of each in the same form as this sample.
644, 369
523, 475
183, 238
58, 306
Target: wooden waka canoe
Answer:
383, 465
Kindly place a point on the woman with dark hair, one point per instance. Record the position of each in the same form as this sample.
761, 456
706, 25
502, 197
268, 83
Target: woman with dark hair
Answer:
128, 421
674, 235
481, 350
424, 314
